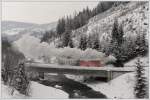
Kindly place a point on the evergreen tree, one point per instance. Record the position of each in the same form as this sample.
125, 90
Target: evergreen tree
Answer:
141, 45
66, 38
90, 41
96, 42
114, 36
83, 43
120, 35
60, 26
100, 8
140, 88
48, 36
116, 43
115, 32
71, 43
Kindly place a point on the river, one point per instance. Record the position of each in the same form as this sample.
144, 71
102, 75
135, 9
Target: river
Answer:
73, 88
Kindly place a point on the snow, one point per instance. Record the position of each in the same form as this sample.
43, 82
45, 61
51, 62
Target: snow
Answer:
78, 78
73, 53
92, 54
13, 31
121, 87
6, 93
46, 92
144, 60
37, 91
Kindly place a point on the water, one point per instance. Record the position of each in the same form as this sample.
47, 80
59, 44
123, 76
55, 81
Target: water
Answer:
73, 88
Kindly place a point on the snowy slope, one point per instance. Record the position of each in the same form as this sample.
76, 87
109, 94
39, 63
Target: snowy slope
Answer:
121, 87
14, 30
37, 91
144, 60
8, 25
133, 16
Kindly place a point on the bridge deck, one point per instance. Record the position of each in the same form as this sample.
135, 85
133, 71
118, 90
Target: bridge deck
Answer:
106, 72
50, 66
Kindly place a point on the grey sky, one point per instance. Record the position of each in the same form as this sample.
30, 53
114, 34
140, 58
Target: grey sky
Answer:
41, 12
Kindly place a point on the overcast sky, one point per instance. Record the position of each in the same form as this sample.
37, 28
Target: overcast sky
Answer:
41, 12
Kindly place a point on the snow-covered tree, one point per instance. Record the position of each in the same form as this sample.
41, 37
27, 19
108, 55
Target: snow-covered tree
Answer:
20, 81
10, 58
140, 86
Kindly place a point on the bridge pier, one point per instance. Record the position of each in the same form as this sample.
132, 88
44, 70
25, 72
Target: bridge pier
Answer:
109, 76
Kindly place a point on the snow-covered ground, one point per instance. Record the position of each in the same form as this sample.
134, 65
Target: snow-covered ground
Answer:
37, 91
144, 60
121, 87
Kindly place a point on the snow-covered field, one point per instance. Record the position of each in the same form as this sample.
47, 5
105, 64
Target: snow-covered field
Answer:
37, 91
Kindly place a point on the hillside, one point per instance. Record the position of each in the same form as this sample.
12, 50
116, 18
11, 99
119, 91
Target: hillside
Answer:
14, 30
130, 15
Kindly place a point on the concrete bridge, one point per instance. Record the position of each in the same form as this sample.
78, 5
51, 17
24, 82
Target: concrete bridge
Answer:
105, 72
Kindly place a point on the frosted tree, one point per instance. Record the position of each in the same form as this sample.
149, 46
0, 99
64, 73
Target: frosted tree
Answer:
10, 58
20, 81
140, 88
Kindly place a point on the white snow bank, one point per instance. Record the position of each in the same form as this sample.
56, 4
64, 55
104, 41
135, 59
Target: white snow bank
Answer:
41, 91
121, 87
37, 91
6, 93
144, 60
